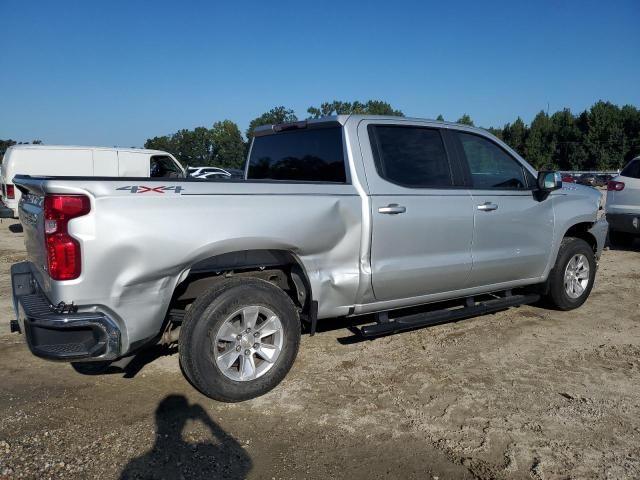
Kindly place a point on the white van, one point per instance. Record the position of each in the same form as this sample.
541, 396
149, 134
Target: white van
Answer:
74, 161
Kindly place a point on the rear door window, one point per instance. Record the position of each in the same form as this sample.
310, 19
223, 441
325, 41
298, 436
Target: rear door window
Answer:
309, 154
410, 156
632, 169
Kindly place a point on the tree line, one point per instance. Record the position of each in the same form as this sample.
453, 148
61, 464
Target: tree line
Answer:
603, 137
224, 146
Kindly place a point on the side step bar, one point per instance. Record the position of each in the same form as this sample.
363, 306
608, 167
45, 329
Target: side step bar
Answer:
387, 325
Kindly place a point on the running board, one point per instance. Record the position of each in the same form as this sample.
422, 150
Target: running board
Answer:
387, 325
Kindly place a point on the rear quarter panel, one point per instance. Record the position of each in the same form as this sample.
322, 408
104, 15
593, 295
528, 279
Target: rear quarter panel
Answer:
136, 246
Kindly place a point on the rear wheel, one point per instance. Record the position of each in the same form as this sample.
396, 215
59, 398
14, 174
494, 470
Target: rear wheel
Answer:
571, 279
239, 339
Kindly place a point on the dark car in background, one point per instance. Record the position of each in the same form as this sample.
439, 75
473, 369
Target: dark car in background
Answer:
587, 179
603, 179
593, 179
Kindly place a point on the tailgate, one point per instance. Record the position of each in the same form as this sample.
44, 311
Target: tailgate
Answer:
31, 212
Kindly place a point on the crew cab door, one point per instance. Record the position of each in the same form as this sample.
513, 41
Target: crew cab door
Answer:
513, 231
421, 216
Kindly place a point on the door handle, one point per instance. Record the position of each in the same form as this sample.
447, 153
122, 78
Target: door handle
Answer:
487, 206
392, 209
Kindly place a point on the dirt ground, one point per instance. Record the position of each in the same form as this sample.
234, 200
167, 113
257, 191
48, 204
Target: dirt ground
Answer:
525, 393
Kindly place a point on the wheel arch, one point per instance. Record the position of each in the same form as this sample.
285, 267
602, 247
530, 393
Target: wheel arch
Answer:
279, 266
582, 230
579, 228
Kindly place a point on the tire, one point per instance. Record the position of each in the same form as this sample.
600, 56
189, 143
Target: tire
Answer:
561, 296
203, 339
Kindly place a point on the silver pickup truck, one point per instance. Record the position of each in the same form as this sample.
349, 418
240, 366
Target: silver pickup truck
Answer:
341, 216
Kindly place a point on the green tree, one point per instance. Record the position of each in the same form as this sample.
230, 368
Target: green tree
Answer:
566, 138
515, 135
605, 140
539, 146
228, 145
498, 132
337, 107
465, 120
164, 143
273, 116
631, 125
603, 137
195, 147
440, 118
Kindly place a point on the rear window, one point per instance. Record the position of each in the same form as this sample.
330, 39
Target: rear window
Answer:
632, 170
310, 154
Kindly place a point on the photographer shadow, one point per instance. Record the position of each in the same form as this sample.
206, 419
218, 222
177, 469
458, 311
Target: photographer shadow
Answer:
16, 228
172, 457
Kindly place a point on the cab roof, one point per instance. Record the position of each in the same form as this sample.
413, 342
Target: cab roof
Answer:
342, 119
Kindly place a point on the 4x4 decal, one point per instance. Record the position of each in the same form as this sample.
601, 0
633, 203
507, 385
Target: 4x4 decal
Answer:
144, 189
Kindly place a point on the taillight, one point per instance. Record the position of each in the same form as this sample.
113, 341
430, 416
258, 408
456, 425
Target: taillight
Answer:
614, 186
63, 251
11, 191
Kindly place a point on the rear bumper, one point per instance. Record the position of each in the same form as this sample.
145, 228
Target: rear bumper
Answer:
6, 212
58, 332
624, 222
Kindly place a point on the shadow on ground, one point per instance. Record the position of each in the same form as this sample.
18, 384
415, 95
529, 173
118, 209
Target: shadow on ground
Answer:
129, 367
630, 245
172, 457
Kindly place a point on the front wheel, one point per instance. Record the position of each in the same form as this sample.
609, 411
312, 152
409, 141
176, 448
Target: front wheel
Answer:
239, 339
571, 279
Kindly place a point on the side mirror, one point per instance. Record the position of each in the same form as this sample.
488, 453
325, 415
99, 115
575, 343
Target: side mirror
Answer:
549, 181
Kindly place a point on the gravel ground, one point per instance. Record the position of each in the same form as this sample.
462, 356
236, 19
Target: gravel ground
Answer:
525, 393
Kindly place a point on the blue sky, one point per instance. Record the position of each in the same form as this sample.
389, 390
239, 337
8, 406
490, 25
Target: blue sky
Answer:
118, 72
